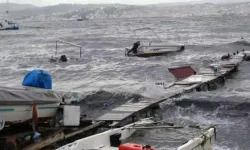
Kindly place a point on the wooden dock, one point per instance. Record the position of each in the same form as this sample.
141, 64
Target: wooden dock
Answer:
203, 80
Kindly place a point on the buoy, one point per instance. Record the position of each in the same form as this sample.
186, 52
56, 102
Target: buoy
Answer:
132, 146
36, 137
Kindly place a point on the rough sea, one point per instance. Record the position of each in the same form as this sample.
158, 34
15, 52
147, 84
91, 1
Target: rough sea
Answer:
106, 77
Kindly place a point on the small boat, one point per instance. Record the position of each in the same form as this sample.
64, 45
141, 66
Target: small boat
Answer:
64, 58
17, 104
112, 139
152, 49
80, 19
149, 51
7, 24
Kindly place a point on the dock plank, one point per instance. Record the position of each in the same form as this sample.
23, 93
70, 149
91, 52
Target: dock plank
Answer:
114, 116
204, 75
195, 79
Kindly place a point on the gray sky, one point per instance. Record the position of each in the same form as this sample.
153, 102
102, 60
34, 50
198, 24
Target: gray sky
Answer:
53, 2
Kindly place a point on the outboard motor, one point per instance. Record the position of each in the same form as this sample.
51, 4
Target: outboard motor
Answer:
135, 47
63, 58
182, 48
225, 57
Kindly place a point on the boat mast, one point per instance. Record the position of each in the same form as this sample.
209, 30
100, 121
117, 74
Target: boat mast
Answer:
7, 7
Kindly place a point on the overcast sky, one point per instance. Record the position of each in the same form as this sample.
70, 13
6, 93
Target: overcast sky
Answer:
53, 2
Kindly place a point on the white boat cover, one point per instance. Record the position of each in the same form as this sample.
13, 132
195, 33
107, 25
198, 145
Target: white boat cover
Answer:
28, 96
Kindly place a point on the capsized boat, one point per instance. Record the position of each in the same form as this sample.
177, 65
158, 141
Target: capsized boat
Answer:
64, 58
152, 49
112, 139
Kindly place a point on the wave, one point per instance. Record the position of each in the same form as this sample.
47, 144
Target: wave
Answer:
244, 43
212, 105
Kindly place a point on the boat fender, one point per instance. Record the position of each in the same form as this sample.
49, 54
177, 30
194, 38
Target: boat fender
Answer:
36, 137
132, 146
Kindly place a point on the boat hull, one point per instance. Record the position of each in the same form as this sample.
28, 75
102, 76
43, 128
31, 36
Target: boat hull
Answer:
157, 51
204, 142
102, 140
14, 28
23, 113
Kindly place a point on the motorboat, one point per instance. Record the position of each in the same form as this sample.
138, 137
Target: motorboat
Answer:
8, 24
112, 139
80, 19
16, 104
152, 48
19, 105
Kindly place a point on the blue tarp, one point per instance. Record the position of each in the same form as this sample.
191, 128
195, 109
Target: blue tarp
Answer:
38, 79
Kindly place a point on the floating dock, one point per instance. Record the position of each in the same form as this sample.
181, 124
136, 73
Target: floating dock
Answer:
204, 80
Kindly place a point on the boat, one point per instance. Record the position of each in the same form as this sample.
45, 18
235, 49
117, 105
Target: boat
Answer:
8, 24
17, 105
80, 19
63, 58
152, 49
113, 139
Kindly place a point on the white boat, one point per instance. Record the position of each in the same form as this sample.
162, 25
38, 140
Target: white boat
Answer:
8, 24
111, 139
81, 19
16, 104
152, 49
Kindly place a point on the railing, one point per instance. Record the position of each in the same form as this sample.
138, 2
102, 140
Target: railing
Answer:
141, 29
72, 44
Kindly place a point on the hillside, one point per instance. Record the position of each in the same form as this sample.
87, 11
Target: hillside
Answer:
103, 11
48, 10
15, 7
225, 1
